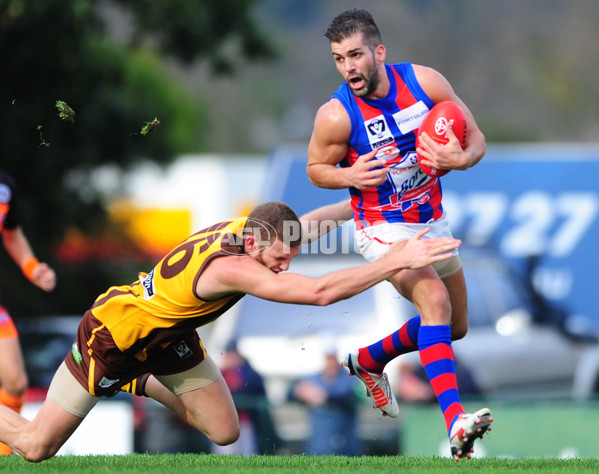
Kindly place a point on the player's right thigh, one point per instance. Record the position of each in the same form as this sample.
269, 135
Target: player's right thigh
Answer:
206, 401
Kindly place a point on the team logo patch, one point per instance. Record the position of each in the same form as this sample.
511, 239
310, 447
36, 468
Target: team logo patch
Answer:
182, 350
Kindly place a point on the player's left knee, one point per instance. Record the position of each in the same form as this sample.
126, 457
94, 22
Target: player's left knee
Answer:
39, 452
37, 455
222, 432
225, 438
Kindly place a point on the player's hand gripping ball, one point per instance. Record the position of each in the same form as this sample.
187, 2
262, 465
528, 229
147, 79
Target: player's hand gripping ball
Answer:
442, 115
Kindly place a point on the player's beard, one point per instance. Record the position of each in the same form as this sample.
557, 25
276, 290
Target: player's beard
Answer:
371, 82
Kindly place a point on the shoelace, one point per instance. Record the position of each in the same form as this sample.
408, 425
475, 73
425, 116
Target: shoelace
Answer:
383, 380
383, 383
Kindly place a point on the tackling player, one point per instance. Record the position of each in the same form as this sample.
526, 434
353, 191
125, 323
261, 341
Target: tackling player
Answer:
149, 326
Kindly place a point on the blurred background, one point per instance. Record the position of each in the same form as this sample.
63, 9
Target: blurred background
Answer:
235, 86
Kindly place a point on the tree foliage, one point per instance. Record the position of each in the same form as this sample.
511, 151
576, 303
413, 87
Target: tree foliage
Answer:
59, 50
192, 29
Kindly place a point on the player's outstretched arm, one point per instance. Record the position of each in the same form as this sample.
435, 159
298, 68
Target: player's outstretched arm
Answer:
244, 274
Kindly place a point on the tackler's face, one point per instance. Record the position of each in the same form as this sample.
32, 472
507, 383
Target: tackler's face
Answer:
276, 256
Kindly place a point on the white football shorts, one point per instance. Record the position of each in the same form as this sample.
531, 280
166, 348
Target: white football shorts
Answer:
375, 241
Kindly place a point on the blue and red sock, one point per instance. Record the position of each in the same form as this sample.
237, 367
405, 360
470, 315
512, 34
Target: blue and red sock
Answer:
436, 355
375, 356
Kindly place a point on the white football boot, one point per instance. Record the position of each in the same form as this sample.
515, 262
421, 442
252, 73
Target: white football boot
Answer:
466, 429
377, 386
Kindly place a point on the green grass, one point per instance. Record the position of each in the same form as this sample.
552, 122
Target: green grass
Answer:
215, 464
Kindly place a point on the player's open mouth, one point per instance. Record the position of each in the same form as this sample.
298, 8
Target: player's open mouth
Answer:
356, 82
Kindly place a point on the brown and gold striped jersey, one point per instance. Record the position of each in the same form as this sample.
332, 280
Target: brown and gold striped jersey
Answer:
163, 304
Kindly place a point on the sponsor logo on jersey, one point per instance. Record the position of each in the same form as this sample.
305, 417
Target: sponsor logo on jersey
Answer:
76, 354
5, 193
379, 134
411, 117
408, 188
105, 383
148, 285
182, 350
414, 182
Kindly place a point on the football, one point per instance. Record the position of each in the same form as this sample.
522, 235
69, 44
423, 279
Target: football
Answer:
442, 115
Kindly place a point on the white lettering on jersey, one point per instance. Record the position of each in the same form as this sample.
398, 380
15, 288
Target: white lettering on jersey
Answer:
148, 285
411, 117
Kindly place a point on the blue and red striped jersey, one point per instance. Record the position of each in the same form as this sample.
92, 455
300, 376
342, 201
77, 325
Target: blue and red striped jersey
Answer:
390, 125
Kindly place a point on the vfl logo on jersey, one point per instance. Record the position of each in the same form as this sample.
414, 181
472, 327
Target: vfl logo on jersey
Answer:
378, 132
182, 350
148, 285
411, 117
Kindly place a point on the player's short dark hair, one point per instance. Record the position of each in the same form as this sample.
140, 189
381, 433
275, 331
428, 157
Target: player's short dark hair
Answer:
278, 217
351, 22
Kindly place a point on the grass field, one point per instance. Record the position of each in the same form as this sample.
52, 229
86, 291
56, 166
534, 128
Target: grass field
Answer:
215, 464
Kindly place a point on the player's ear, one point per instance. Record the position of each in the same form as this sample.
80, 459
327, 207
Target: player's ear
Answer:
380, 54
250, 243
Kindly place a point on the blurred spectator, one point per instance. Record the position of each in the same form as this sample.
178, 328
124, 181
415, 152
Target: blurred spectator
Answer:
258, 433
413, 386
332, 400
